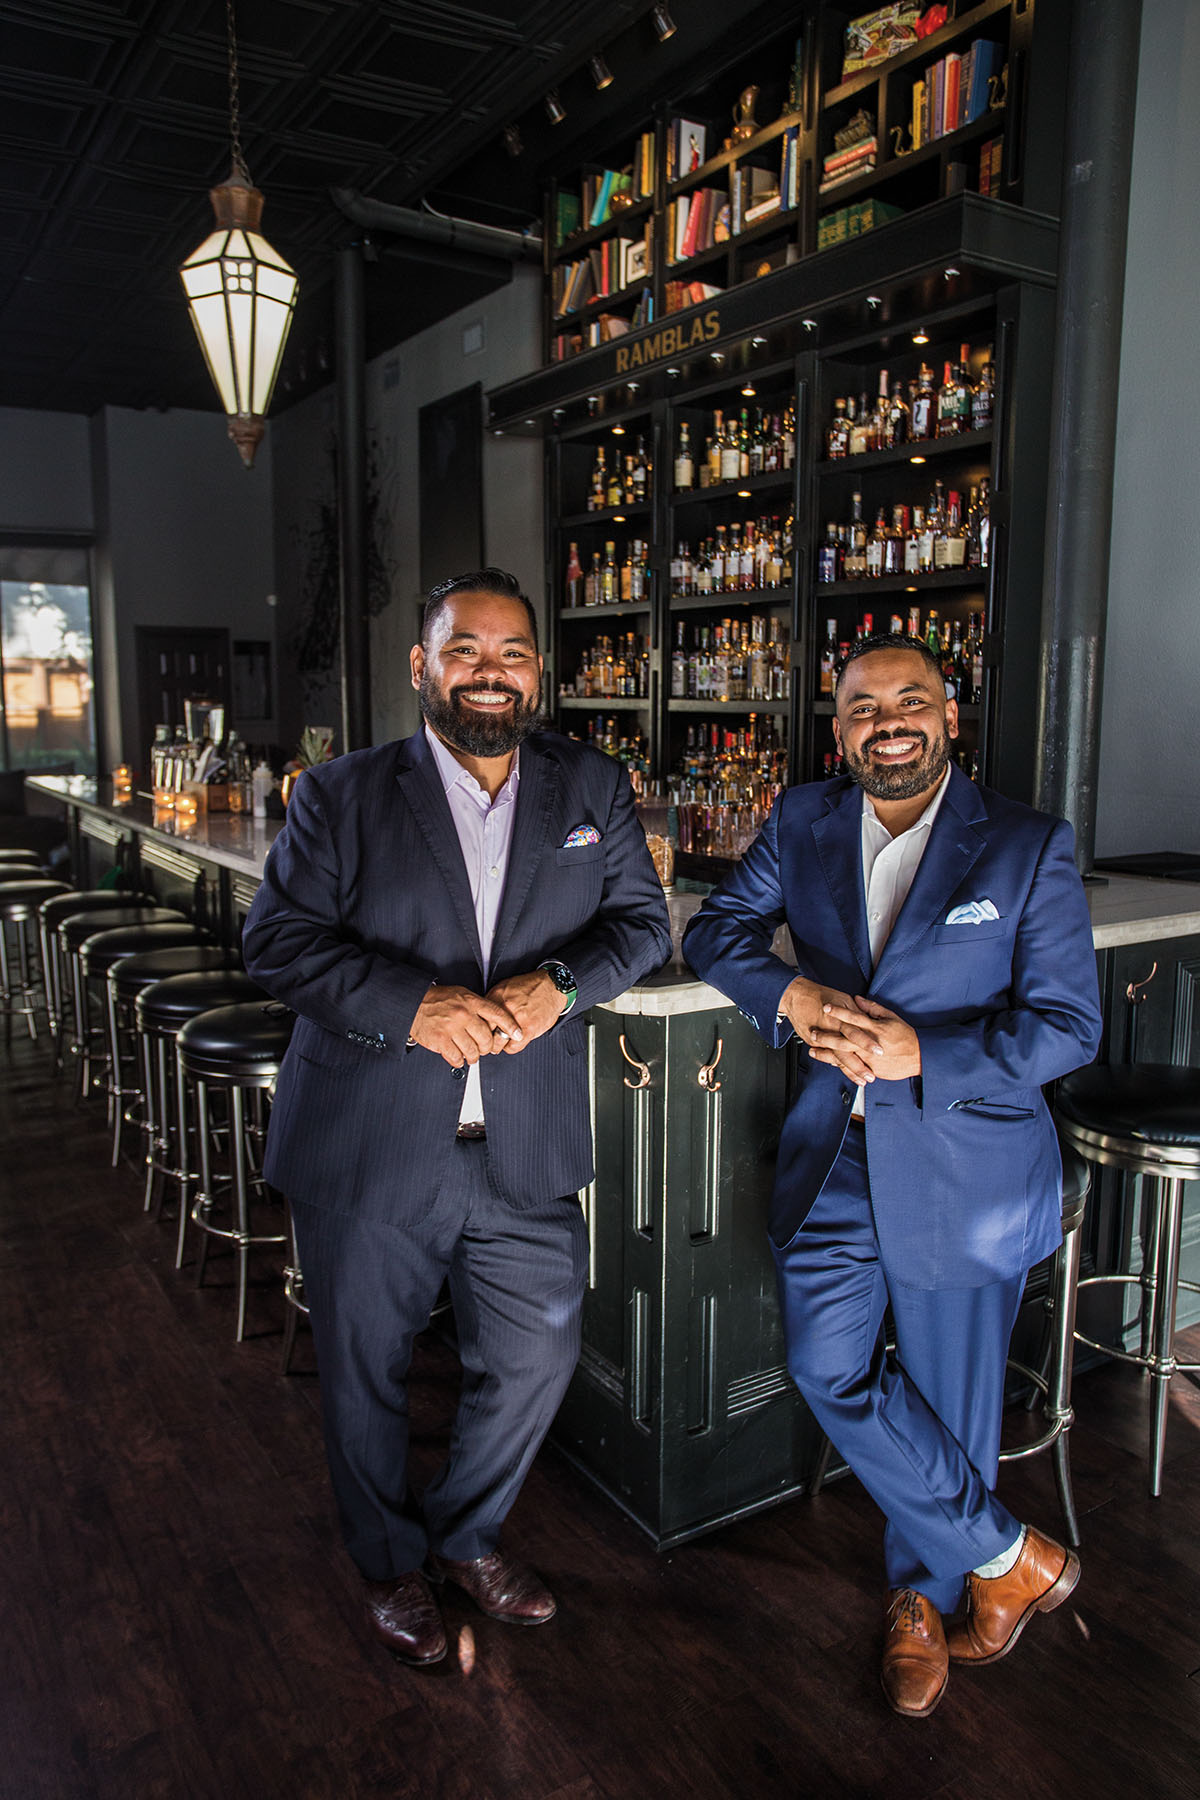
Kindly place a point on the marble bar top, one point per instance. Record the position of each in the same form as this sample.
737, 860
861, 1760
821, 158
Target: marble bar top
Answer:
1125, 909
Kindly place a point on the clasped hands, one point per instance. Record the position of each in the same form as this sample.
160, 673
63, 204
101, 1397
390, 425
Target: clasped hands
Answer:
863, 1039
460, 1026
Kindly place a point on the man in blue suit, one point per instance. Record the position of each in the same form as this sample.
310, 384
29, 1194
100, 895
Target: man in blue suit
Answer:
440, 913
945, 971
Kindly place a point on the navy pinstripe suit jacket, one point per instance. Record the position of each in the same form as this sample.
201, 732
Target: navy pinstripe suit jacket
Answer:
365, 900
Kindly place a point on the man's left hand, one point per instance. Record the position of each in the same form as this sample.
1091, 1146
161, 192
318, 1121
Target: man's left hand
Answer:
535, 1004
885, 1042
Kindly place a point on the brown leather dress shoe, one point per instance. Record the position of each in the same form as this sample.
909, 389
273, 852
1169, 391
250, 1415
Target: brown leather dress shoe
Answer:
403, 1614
915, 1666
500, 1587
999, 1609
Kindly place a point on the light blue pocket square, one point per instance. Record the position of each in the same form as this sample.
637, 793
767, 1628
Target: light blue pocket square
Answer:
972, 912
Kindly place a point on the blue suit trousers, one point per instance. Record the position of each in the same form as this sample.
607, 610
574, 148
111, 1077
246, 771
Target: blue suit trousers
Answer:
920, 1427
516, 1278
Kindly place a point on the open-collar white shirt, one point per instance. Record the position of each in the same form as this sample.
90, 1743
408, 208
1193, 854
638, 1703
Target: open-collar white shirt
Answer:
484, 827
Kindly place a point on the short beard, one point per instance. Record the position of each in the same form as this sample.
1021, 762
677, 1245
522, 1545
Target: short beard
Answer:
476, 734
907, 780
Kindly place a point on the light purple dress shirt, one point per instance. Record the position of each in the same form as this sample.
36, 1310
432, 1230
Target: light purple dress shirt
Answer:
485, 829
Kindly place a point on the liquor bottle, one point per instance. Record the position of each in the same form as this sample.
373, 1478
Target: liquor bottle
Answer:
598, 496
788, 438
773, 459
684, 467
616, 488
625, 585
876, 545
933, 636
730, 466
827, 556
679, 664
641, 475
574, 578
758, 446
591, 584
719, 563
879, 416
786, 548
758, 666
896, 625
964, 387
629, 481
748, 559
950, 544
639, 572
893, 549
979, 527
860, 426
608, 575
743, 443
772, 573
712, 455
983, 399
702, 577
913, 628
923, 410
829, 660
837, 438
975, 645
912, 543
856, 553
896, 423
947, 404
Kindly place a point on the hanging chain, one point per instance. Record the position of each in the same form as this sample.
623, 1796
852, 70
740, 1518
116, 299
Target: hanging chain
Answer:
235, 119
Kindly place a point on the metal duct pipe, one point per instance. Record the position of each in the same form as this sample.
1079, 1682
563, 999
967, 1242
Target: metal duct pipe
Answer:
459, 234
1099, 105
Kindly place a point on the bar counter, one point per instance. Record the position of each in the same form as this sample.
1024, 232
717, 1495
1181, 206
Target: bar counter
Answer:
682, 1410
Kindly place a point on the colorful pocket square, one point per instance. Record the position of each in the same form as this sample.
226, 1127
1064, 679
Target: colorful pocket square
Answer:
972, 912
582, 834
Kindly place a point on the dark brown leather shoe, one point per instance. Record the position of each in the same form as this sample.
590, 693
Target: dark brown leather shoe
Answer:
403, 1614
999, 1610
500, 1587
915, 1665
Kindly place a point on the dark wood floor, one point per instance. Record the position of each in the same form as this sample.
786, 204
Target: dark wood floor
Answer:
178, 1619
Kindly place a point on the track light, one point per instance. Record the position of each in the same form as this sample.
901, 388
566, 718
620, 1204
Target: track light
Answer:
599, 70
664, 24
512, 140
556, 112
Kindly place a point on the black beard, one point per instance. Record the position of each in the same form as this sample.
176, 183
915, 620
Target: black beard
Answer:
476, 734
907, 780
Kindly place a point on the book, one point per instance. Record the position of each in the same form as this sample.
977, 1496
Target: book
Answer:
599, 212
566, 216
838, 159
643, 164
875, 36
847, 175
686, 141
952, 71
789, 167
762, 209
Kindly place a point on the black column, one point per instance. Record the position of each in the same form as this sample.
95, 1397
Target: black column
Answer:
354, 628
1101, 92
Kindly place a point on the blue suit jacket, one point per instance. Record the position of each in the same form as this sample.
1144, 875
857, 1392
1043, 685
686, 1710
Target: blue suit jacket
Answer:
964, 1165
365, 900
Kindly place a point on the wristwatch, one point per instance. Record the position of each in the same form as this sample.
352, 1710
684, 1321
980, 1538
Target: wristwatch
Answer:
563, 980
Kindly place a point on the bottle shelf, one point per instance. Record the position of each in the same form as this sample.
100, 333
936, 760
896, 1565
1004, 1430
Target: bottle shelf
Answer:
938, 582
606, 515
924, 449
601, 703
608, 609
734, 490
762, 597
780, 708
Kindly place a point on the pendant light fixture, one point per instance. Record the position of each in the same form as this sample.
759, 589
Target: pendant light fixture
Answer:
240, 292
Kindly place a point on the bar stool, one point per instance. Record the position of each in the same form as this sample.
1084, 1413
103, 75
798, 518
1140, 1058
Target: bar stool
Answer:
1145, 1120
238, 1048
22, 857
161, 1011
73, 933
98, 956
128, 979
19, 902
12, 873
1053, 1379
50, 915
293, 1294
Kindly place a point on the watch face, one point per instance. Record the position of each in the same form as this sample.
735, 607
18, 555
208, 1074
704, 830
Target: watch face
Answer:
561, 976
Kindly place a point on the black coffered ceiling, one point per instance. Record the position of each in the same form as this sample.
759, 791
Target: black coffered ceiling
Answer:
114, 124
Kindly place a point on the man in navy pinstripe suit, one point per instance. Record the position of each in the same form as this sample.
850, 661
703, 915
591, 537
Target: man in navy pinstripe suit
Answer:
440, 913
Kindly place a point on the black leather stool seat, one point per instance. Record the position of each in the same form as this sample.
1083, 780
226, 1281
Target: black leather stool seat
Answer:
144, 968
11, 873
170, 1003
241, 1043
1150, 1103
76, 928
22, 899
99, 952
17, 856
1076, 1184
61, 907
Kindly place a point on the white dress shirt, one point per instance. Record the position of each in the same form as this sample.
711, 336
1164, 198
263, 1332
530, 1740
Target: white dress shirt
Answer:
889, 866
485, 829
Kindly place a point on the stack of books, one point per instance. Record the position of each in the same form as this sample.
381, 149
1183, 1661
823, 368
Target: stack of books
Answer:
954, 91
844, 165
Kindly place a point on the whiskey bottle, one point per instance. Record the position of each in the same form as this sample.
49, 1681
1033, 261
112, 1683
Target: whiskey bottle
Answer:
730, 467
598, 495
616, 488
608, 575
837, 438
641, 475
876, 545
896, 424
574, 578
893, 549
679, 664
828, 557
856, 553
829, 660
591, 585
684, 467
950, 543
923, 410
860, 426
983, 399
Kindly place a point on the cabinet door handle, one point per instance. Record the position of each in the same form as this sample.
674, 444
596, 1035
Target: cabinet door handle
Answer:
643, 1069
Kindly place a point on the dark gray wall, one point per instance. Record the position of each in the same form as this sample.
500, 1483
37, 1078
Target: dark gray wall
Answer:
45, 471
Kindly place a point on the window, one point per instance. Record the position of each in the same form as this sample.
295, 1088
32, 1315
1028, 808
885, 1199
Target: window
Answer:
46, 660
